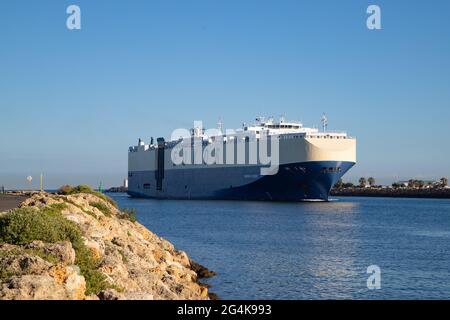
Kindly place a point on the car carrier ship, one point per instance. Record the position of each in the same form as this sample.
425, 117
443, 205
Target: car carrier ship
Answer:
309, 162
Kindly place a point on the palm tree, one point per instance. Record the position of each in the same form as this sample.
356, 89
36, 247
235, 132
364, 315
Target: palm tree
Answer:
362, 182
371, 181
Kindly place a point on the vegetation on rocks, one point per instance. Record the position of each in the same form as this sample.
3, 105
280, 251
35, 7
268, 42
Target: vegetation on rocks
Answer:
129, 214
25, 225
78, 245
102, 207
69, 190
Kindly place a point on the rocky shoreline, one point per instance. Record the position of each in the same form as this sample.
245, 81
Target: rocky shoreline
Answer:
80, 246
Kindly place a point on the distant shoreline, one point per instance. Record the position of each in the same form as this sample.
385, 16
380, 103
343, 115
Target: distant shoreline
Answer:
392, 193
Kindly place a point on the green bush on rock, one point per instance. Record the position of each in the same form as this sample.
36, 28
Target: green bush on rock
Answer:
25, 225
68, 190
129, 214
102, 207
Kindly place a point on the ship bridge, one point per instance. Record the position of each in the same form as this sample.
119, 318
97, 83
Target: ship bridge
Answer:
287, 130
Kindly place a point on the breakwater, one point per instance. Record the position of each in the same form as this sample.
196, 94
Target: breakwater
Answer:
392, 193
81, 246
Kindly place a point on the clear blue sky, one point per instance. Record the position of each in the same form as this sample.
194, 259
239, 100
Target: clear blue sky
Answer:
71, 102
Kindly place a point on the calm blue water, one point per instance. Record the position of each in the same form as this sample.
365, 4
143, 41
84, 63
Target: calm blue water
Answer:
264, 250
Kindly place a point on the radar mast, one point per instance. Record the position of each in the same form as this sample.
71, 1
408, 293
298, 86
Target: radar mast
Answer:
324, 120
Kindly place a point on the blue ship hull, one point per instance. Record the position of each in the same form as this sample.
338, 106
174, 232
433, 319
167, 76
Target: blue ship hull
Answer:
293, 182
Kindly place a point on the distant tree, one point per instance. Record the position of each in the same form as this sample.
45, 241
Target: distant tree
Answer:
444, 182
414, 183
371, 181
339, 184
396, 185
348, 185
420, 184
362, 182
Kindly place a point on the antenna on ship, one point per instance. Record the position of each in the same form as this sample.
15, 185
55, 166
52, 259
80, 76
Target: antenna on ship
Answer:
220, 125
260, 120
324, 120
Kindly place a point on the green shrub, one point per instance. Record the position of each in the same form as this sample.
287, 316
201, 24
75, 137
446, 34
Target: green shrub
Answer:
82, 188
25, 225
22, 226
102, 207
68, 190
129, 214
54, 209
5, 273
95, 280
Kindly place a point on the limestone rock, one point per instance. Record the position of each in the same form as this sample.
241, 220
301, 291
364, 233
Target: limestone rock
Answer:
138, 264
23, 264
110, 294
61, 250
32, 287
75, 284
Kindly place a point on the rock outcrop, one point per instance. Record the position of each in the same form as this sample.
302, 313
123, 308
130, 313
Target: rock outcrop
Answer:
132, 261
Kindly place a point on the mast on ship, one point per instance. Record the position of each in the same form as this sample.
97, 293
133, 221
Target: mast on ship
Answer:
220, 125
324, 120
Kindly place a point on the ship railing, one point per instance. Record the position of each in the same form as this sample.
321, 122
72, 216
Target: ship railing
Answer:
329, 135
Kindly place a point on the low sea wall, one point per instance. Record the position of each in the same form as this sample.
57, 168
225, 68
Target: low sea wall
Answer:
392, 193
